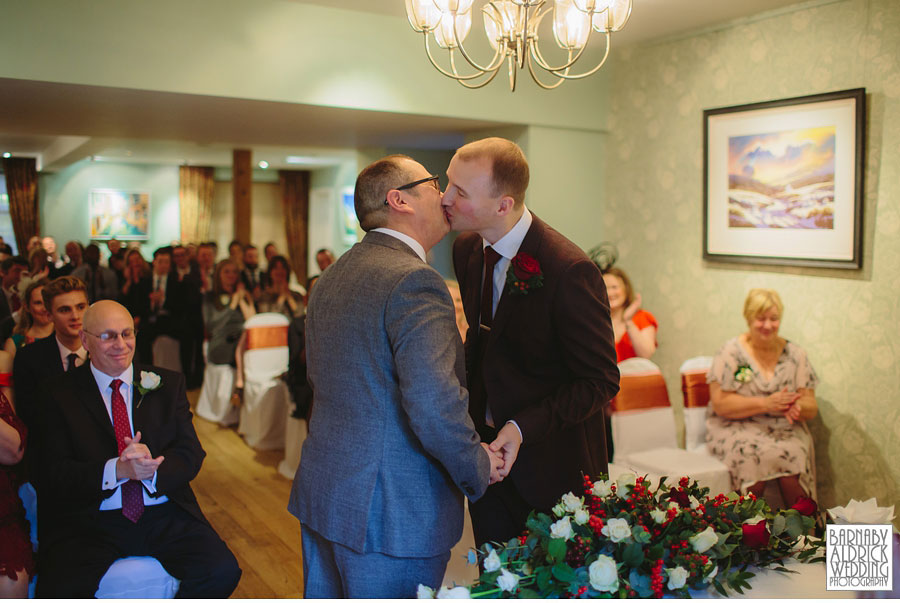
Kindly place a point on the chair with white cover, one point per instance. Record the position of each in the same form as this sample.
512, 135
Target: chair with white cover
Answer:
126, 578
214, 403
695, 390
295, 432
644, 431
266, 402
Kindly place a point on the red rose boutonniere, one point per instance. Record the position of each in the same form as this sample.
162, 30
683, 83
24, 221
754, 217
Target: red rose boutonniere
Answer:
524, 274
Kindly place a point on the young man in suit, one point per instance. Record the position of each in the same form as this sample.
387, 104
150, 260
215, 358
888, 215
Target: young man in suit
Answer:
540, 349
116, 465
391, 448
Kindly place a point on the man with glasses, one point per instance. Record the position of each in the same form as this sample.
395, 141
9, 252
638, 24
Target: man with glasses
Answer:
540, 348
389, 414
117, 460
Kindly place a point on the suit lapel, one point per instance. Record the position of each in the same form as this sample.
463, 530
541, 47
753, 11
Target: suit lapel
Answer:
89, 394
531, 245
472, 294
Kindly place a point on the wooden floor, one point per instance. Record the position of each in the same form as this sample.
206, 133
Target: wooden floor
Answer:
245, 499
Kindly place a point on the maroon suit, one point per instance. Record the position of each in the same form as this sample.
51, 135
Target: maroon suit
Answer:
549, 364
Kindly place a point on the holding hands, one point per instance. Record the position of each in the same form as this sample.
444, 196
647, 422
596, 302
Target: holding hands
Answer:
503, 451
136, 462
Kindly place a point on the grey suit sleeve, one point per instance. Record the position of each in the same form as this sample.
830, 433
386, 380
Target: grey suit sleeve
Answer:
421, 326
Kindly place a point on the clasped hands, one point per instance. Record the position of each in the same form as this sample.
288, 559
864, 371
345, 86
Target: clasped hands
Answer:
786, 403
136, 462
503, 452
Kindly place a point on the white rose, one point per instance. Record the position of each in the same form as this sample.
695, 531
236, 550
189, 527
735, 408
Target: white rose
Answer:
424, 592
492, 562
755, 520
582, 516
694, 502
617, 530
457, 592
712, 574
705, 540
602, 488
150, 380
677, 577
571, 502
559, 510
625, 480
658, 515
603, 574
507, 581
562, 529
674, 505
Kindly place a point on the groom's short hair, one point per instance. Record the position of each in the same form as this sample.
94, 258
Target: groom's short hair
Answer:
372, 186
509, 168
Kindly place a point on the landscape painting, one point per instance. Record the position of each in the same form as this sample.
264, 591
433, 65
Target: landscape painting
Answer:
116, 214
782, 179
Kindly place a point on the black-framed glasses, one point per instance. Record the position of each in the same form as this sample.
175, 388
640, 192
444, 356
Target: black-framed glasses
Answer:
105, 336
432, 179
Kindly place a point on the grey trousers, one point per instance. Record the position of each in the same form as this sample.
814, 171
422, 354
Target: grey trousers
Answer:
333, 571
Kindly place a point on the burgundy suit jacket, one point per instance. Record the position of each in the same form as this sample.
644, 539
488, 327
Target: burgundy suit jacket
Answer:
549, 364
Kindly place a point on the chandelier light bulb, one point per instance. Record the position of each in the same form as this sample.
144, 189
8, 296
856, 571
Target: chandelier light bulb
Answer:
571, 25
423, 15
453, 6
500, 19
444, 33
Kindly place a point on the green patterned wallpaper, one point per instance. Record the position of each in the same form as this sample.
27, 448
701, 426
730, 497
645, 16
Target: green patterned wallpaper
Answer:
846, 320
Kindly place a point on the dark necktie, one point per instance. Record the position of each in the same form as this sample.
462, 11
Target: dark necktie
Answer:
132, 494
71, 364
477, 391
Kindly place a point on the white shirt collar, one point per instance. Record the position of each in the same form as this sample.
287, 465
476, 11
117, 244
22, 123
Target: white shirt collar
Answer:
508, 245
64, 353
416, 246
103, 380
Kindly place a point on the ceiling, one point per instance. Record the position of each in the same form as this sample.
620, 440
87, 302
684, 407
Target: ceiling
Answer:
64, 123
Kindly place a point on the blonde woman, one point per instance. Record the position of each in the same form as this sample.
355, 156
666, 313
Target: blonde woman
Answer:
34, 319
762, 393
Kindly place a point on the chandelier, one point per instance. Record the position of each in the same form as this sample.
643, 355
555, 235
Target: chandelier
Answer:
511, 27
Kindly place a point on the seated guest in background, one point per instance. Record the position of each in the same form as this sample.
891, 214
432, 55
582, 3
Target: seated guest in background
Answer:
762, 392
117, 467
39, 264
635, 328
16, 559
58, 267
206, 265
252, 276
66, 300
278, 296
74, 251
102, 283
163, 325
225, 309
34, 319
461, 323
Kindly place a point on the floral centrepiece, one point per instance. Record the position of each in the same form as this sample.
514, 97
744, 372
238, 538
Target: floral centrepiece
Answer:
743, 374
641, 541
524, 274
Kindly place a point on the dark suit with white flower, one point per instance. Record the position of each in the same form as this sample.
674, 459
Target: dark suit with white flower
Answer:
549, 364
391, 448
79, 541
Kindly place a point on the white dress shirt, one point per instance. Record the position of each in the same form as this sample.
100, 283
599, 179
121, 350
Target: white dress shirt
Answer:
64, 354
104, 383
416, 246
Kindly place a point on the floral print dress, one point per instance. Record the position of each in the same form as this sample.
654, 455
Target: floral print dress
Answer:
764, 446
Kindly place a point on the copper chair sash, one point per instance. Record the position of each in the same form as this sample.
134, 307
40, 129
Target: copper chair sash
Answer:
695, 389
267, 337
638, 392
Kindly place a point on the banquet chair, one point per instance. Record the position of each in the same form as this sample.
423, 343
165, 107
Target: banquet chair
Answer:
214, 403
266, 402
295, 432
126, 578
643, 426
695, 391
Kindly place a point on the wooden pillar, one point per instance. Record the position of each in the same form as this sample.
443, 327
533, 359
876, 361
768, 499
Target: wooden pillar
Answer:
241, 173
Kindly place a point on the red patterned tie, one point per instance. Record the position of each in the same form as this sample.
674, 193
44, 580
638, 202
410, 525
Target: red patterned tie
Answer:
132, 495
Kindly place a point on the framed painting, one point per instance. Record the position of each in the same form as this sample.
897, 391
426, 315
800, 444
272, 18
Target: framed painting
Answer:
116, 214
783, 181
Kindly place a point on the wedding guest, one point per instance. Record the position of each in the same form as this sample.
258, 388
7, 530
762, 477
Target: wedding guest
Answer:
12, 269
39, 263
135, 291
278, 296
34, 319
16, 558
102, 283
252, 275
762, 393
34, 242
74, 251
206, 265
236, 253
324, 259
190, 335
634, 327
164, 324
270, 251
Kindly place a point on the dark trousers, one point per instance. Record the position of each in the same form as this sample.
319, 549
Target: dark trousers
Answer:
189, 550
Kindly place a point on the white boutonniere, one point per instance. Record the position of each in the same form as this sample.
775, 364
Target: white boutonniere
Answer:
149, 382
743, 374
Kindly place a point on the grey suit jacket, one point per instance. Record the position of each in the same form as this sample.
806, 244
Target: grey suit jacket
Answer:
391, 447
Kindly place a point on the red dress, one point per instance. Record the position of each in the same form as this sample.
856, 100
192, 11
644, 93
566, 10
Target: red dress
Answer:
642, 319
15, 544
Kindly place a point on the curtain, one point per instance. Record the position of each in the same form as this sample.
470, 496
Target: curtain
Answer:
195, 193
295, 205
22, 188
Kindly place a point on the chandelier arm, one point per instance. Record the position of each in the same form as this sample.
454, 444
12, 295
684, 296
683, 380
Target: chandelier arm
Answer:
498, 56
586, 73
538, 81
482, 84
539, 58
453, 76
